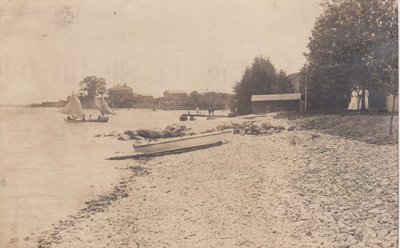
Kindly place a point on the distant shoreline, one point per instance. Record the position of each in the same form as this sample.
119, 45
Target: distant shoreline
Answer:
137, 107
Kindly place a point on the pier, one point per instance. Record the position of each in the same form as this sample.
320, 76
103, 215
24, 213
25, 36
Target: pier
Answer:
185, 117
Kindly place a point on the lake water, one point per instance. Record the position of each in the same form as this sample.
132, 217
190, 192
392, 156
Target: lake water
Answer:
48, 167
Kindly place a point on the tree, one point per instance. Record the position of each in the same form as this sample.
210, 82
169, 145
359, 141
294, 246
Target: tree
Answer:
385, 57
260, 78
353, 43
92, 86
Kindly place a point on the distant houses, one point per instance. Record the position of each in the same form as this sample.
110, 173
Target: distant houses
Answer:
123, 96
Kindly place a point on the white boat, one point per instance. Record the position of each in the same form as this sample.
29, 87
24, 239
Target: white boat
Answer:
182, 143
75, 112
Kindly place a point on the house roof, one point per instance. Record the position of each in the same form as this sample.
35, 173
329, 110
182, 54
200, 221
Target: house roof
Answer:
120, 88
276, 97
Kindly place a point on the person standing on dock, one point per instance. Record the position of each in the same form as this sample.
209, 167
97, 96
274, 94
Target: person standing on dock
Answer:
197, 110
209, 111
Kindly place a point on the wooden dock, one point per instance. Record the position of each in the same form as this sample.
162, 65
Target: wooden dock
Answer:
200, 115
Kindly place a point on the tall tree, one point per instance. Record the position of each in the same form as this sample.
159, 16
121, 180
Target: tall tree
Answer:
348, 47
260, 78
92, 86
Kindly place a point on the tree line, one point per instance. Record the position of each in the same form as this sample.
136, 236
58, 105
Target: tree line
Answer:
353, 43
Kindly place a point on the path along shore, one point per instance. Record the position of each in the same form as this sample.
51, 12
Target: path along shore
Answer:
300, 188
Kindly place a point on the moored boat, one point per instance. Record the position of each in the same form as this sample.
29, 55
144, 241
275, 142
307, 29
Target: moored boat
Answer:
186, 142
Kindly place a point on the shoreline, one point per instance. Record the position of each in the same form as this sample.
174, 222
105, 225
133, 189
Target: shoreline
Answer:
255, 190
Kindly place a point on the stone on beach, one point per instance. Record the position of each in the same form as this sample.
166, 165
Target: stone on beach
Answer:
154, 134
143, 133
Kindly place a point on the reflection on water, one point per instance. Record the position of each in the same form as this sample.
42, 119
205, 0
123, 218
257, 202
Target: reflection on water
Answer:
48, 167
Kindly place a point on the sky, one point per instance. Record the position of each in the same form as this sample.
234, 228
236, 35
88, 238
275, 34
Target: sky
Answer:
48, 46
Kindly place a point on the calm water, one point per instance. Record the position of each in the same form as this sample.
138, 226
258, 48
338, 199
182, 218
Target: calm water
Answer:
48, 167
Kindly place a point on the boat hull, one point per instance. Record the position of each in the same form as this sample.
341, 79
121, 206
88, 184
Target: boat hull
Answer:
184, 142
103, 119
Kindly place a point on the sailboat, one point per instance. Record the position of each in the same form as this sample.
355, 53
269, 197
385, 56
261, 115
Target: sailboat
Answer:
103, 107
75, 112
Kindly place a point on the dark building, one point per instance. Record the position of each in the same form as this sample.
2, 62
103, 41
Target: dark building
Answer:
121, 95
275, 102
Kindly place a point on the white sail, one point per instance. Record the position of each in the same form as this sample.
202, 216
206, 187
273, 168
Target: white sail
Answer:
107, 109
102, 106
73, 107
99, 104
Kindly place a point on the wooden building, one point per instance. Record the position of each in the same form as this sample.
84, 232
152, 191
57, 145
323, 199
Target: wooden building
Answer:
275, 102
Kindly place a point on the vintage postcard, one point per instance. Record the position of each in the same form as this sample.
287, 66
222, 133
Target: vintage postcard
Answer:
198, 123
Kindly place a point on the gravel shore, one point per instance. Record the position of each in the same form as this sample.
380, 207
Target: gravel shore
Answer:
299, 188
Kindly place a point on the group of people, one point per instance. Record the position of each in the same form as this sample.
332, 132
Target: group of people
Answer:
210, 111
356, 99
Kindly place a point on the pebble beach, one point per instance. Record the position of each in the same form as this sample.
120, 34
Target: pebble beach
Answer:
297, 188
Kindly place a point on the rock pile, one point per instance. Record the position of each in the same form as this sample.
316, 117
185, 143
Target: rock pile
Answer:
265, 128
151, 134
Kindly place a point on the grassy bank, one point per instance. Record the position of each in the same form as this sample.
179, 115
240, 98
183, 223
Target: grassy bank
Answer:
371, 129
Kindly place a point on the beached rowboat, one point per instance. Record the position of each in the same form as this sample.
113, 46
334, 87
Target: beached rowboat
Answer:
182, 143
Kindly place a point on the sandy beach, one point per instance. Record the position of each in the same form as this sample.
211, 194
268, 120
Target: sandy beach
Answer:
300, 188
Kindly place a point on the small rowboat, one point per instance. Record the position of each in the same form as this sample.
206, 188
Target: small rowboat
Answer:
188, 142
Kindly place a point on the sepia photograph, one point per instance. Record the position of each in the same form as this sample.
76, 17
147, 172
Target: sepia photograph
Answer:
199, 123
